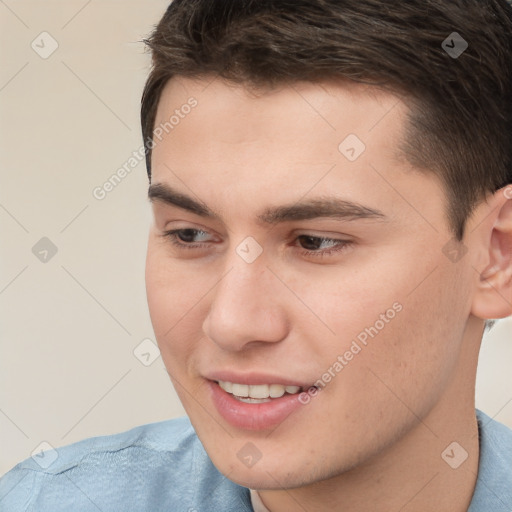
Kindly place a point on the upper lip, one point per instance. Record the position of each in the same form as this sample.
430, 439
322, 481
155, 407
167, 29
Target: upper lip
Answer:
252, 377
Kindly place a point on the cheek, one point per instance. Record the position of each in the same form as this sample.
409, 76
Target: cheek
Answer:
173, 299
403, 322
417, 352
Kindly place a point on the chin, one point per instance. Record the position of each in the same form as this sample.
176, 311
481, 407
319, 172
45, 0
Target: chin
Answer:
264, 478
276, 470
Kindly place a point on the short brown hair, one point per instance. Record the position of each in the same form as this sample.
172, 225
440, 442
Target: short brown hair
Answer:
460, 126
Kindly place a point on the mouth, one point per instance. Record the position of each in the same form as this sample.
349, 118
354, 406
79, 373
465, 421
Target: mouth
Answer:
256, 406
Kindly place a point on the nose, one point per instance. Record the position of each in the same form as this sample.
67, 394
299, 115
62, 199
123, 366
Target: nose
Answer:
247, 307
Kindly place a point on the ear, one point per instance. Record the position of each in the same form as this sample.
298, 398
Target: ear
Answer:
493, 297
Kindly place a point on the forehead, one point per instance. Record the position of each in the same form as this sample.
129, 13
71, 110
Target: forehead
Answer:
248, 147
305, 124
328, 105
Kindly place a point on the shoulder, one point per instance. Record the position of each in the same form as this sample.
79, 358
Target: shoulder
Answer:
493, 489
151, 467
162, 437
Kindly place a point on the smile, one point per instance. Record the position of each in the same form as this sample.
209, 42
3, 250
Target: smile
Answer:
255, 406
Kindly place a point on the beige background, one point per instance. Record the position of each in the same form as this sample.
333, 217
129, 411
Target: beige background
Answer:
68, 327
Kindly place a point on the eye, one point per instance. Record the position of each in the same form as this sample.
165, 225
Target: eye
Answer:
185, 238
322, 246
309, 245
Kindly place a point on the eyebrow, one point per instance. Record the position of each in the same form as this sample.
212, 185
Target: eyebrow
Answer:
331, 207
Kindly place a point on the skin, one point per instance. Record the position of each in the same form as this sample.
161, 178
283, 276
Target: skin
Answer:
372, 439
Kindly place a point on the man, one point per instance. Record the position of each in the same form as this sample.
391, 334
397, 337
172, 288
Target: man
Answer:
330, 182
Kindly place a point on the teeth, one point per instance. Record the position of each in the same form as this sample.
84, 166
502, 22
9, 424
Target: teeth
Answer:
257, 391
252, 400
276, 390
240, 389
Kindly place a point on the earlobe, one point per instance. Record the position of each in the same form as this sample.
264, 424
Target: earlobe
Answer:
493, 297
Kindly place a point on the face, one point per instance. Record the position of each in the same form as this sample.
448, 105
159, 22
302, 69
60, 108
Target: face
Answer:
293, 246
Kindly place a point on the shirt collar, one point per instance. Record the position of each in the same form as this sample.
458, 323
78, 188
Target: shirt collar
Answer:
256, 502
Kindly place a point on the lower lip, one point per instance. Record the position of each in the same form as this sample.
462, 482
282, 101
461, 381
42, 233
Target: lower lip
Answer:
253, 416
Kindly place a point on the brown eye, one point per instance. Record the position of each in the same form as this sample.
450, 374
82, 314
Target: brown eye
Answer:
321, 246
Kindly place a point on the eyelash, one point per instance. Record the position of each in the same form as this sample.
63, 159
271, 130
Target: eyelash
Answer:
172, 236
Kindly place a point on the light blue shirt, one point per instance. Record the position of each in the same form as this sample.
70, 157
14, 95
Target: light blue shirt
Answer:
164, 467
